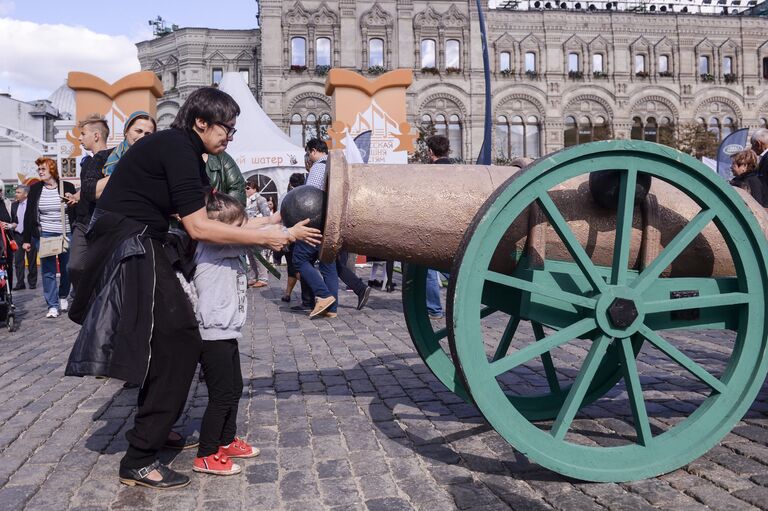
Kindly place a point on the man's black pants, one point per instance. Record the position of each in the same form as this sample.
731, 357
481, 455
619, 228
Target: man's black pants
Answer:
18, 262
221, 364
176, 346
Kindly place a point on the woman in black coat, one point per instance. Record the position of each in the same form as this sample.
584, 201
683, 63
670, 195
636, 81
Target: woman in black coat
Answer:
138, 324
744, 167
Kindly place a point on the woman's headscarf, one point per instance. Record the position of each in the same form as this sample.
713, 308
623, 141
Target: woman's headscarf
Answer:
120, 150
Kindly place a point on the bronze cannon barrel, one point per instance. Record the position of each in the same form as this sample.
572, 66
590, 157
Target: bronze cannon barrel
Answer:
419, 213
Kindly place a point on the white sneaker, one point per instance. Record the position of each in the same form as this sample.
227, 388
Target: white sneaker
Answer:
63, 304
52, 313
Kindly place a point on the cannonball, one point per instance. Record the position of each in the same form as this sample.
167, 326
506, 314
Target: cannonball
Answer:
304, 202
604, 186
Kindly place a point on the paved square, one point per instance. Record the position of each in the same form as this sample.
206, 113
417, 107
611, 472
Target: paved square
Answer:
347, 417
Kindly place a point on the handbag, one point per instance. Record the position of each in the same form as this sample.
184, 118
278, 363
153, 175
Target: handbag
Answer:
55, 245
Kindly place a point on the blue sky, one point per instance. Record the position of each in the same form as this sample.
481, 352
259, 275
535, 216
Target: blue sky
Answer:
42, 40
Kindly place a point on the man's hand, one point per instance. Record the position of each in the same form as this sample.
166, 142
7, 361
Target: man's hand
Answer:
27, 247
72, 198
309, 235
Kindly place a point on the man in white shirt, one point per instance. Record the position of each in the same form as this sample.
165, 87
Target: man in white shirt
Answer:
759, 142
18, 209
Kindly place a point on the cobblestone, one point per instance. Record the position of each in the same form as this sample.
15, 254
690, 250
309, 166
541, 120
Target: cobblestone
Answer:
348, 418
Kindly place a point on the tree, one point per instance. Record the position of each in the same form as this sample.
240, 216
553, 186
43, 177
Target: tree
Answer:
421, 155
694, 138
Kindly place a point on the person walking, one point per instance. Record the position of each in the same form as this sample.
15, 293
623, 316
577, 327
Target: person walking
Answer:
44, 218
150, 335
256, 207
22, 258
438, 148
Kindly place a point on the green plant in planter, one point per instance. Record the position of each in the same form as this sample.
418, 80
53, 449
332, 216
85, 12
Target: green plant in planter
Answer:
531, 74
507, 72
665, 74
376, 70
599, 74
729, 77
430, 70
453, 70
576, 75
322, 70
298, 68
642, 74
706, 77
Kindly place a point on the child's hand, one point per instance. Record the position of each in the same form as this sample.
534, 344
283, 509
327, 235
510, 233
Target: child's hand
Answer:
309, 235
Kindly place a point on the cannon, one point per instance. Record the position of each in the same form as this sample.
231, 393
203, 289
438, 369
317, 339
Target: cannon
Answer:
585, 290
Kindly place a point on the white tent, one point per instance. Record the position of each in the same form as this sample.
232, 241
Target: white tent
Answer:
259, 146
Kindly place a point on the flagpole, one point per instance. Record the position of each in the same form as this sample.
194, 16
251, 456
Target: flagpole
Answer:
484, 158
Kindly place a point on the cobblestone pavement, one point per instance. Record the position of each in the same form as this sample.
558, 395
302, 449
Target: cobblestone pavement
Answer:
347, 417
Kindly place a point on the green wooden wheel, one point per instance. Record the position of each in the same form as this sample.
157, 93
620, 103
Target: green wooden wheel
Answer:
650, 443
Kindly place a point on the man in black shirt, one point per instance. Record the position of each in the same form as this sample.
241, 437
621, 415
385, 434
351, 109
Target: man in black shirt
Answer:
93, 137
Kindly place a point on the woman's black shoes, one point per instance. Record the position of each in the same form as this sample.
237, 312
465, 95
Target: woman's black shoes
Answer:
390, 286
375, 283
140, 476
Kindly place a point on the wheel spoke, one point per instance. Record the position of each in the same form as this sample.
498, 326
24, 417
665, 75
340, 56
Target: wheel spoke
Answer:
549, 292
635, 392
682, 359
696, 302
534, 350
546, 360
571, 243
506, 338
673, 249
579, 389
624, 216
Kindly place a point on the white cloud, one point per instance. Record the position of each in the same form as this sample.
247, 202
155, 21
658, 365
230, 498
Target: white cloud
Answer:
6, 7
36, 58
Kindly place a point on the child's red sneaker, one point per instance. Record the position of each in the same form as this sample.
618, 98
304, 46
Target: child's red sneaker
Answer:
219, 464
239, 448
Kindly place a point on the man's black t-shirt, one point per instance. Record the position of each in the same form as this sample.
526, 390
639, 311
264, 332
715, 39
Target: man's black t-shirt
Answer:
160, 175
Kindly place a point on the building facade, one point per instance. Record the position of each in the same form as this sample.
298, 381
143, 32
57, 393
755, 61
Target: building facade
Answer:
559, 77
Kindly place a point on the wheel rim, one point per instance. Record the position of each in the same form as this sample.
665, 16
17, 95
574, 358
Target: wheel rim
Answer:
651, 450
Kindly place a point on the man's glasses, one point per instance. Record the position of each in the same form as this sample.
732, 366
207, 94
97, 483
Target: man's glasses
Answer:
229, 129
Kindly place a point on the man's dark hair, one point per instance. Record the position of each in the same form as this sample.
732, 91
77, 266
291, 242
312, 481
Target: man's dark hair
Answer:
296, 179
209, 104
253, 182
439, 145
318, 145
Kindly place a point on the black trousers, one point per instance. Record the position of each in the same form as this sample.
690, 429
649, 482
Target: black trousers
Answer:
176, 346
221, 364
347, 276
77, 247
18, 262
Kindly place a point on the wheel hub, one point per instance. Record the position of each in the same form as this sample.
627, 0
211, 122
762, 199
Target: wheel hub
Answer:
619, 312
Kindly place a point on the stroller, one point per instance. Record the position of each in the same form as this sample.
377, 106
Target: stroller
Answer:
7, 309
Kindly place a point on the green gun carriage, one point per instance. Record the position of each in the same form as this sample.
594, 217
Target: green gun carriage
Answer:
590, 287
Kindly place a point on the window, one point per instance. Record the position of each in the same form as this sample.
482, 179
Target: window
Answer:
441, 125
298, 51
602, 130
323, 51
727, 65
505, 61
585, 130
597, 63
704, 65
518, 137
571, 132
714, 127
376, 52
728, 127
454, 136
297, 130
530, 61
216, 75
428, 53
651, 132
301, 130
666, 131
246, 74
517, 143
637, 129
452, 48
573, 62
532, 137
639, 63
763, 122
663, 64
174, 79
765, 67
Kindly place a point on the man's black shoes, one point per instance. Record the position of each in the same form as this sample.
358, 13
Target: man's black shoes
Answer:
362, 298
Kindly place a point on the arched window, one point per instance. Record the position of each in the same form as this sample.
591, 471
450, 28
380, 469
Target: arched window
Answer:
298, 51
727, 65
530, 61
323, 125
452, 54
323, 51
651, 132
585, 130
428, 57
637, 129
426, 121
763, 122
597, 63
639, 63
602, 130
704, 65
517, 133
505, 61
532, 137
571, 132
297, 130
441, 125
714, 127
502, 137
376, 52
666, 131
454, 136
728, 127
310, 127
